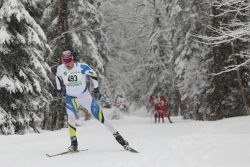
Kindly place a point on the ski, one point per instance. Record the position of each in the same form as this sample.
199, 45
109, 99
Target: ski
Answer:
71, 152
66, 152
131, 150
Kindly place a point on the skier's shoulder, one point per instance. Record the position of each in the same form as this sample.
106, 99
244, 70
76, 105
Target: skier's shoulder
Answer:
59, 68
85, 67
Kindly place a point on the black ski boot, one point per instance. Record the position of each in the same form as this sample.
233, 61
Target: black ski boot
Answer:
120, 140
74, 144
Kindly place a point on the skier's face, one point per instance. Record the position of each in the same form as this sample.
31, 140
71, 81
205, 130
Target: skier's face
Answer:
69, 63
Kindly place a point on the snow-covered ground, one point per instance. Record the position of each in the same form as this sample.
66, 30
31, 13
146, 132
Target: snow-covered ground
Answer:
184, 143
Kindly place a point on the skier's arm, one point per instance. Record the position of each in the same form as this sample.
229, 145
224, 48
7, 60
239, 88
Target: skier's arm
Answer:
59, 82
151, 99
95, 80
58, 78
89, 71
166, 103
164, 100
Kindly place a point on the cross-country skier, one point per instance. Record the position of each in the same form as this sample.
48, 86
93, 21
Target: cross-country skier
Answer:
73, 75
160, 106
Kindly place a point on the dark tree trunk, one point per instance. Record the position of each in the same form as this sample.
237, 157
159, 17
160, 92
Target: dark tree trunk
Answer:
218, 92
177, 102
238, 72
60, 118
66, 25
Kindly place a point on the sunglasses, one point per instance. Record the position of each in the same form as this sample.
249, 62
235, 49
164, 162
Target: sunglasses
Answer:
67, 60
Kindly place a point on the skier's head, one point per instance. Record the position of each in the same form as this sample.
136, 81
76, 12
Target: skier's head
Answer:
156, 95
67, 59
67, 56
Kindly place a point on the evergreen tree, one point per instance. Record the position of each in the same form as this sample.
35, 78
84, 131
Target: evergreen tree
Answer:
189, 56
23, 72
230, 46
143, 31
140, 52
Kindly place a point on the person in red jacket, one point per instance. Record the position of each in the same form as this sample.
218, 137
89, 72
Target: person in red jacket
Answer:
161, 107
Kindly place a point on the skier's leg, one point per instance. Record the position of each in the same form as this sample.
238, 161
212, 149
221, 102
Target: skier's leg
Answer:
98, 114
159, 116
71, 108
92, 106
169, 118
162, 116
155, 116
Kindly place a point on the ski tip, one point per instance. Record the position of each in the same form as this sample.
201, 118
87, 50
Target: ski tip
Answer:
84, 150
48, 155
132, 150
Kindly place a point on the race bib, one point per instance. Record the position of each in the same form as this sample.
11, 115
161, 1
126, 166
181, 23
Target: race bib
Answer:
72, 78
157, 100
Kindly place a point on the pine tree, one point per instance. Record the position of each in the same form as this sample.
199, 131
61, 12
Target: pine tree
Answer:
139, 48
189, 56
227, 37
23, 72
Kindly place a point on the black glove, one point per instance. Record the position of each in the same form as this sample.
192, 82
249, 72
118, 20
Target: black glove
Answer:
97, 94
59, 93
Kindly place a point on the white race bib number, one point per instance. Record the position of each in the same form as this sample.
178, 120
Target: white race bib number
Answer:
72, 78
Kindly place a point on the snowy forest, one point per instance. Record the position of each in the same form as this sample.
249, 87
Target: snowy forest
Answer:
194, 52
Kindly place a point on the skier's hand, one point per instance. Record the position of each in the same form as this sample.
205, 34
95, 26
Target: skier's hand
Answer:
97, 94
59, 93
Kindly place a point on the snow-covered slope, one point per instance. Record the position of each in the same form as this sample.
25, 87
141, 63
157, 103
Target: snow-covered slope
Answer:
184, 143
